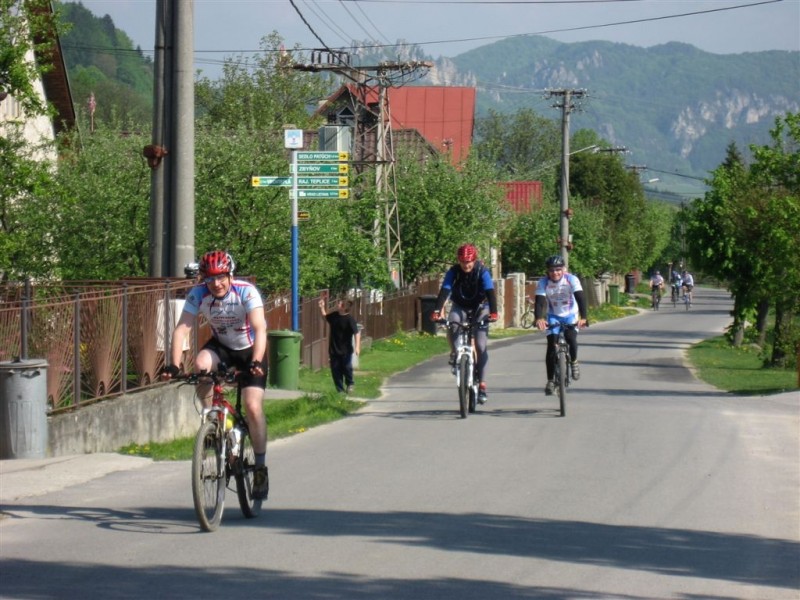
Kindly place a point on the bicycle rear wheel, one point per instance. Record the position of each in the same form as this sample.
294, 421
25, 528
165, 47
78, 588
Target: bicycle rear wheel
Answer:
463, 385
561, 380
208, 476
245, 465
526, 322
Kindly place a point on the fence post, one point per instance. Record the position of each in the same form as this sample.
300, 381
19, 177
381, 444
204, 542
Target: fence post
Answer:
76, 365
26, 298
167, 335
124, 349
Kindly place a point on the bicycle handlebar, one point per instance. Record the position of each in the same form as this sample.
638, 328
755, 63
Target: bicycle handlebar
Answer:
470, 323
223, 374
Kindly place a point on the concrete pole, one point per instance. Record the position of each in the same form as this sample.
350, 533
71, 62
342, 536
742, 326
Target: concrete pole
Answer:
158, 234
564, 220
182, 147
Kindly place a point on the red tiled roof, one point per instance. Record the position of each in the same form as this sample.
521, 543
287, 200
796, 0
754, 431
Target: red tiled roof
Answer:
444, 116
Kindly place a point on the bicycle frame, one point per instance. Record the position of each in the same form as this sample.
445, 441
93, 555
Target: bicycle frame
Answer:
223, 448
562, 369
465, 362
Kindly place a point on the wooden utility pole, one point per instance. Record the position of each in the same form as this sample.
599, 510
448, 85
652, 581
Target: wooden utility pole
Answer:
566, 106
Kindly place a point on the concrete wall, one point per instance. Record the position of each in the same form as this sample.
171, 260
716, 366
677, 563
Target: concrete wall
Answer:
155, 415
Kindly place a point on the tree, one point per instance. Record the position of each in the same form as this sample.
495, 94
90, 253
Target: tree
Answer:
27, 35
746, 228
522, 146
603, 181
442, 207
26, 27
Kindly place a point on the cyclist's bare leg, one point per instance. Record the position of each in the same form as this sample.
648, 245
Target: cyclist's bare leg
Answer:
206, 361
253, 398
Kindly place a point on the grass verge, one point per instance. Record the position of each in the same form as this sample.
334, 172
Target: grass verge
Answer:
738, 370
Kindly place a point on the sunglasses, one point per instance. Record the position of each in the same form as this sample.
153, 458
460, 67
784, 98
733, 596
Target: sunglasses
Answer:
216, 278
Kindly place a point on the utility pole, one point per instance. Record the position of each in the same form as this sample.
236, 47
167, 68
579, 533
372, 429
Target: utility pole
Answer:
381, 154
172, 180
566, 105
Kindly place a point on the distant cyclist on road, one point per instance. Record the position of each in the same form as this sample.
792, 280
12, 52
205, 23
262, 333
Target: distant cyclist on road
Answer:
657, 283
688, 284
469, 286
235, 311
560, 299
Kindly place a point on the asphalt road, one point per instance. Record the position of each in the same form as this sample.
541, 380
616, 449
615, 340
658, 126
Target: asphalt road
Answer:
653, 486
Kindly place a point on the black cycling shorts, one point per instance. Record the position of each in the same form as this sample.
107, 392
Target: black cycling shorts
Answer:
240, 359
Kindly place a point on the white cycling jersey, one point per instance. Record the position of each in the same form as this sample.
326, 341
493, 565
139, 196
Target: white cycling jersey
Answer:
228, 315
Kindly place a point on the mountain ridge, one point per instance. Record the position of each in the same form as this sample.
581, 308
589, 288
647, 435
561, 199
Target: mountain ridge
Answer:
672, 105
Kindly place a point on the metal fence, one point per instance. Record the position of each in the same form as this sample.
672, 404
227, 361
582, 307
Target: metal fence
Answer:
104, 339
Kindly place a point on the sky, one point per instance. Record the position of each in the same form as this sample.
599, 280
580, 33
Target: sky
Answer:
225, 28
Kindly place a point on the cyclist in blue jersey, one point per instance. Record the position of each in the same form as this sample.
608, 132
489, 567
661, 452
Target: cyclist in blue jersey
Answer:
560, 299
235, 311
469, 286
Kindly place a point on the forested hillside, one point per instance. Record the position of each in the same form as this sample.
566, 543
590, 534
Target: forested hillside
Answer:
101, 59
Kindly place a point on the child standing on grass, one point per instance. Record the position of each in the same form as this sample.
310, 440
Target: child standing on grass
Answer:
344, 340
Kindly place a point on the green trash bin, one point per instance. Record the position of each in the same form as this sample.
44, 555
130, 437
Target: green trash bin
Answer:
284, 358
613, 294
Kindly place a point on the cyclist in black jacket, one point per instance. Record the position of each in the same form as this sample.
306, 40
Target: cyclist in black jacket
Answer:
469, 286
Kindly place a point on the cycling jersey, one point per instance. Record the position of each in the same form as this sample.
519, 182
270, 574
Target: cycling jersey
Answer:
228, 315
560, 296
468, 290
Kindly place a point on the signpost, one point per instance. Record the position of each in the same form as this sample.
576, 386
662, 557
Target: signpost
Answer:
334, 173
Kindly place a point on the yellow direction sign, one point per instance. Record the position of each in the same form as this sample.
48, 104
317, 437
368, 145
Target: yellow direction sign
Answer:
303, 215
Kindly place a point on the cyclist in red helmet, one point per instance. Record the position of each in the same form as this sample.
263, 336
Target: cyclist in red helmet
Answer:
235, 310
469, 286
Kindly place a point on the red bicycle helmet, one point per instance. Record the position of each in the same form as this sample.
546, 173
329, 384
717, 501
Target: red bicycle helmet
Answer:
467, 253
215, 263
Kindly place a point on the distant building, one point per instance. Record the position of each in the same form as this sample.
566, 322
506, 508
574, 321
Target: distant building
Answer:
444, 117
523, 196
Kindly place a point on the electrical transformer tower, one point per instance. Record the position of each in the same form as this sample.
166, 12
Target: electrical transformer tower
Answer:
374, 145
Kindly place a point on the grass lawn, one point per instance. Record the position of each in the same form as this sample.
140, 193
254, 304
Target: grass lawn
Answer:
738, 370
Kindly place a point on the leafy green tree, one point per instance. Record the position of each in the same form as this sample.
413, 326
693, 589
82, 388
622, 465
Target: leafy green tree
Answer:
442, 207
25, 28
522, 146
533, 237
100, 206
24, 248
603, 181
747, 226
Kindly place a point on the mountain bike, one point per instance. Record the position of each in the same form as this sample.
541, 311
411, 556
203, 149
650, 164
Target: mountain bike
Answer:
465, 367
687, 300
656, 297
562, 371
527, 320
223, 449
676, 294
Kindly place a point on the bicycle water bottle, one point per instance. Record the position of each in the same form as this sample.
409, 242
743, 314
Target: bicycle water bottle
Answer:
228, 422
235, 439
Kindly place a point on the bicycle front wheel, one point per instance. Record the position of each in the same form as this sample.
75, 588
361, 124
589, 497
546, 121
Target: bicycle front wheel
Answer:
527, 320
561, 379
208, 476
245, 465
463, 385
